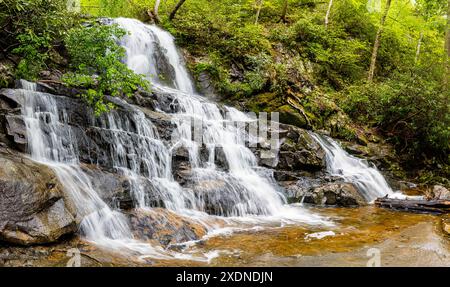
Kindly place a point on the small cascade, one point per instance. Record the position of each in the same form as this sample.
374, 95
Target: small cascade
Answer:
364, 175
150, 51
51, 142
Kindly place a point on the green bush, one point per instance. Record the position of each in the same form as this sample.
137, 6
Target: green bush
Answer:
31, 30
412, 111
96, 62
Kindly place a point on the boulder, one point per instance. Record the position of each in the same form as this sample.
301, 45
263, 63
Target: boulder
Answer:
113, 188
438, 193
164, 226
333, 193
16, 128
299, 151
33, 209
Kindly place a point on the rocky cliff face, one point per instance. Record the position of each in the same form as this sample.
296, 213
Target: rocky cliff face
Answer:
34, 209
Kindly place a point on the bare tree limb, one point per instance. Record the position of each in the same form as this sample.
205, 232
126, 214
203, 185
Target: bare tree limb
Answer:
175, 10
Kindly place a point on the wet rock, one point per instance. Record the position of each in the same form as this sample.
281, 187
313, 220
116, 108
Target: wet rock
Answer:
167, 102
113, 188
334, 193
164, 226
446, 225
16, 128
299, 151
341, 194
206, 86
282, 175
220, 194
33, 209
439, 192
220, 159
181, 167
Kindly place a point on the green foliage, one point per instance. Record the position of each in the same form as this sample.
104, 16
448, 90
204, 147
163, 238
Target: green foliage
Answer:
34, 50
96, 62
340, 58
32, 30
412, 109
324, 68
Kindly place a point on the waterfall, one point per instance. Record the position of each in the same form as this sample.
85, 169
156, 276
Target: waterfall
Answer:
243, 193
246, 189
364, 175
51, 142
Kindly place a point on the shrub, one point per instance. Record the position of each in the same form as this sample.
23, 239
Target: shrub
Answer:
96, 62
413, 111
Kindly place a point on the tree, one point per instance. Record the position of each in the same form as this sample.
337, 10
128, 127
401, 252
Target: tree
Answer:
175, 10
376, 45
155, 11
284, 11
419, 44
447, 41
259, 4
330, 4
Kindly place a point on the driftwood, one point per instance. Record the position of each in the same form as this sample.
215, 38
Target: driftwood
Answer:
420, 206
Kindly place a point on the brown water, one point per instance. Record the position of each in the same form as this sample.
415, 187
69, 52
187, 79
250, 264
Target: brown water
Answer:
400, 239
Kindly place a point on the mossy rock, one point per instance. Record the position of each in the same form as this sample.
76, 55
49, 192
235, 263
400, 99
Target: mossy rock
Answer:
290, 116
6, 74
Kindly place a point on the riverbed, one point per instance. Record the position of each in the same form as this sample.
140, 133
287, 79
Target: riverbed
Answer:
364, 236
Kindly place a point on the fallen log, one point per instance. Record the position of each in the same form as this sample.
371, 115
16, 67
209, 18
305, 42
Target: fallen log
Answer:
414, 205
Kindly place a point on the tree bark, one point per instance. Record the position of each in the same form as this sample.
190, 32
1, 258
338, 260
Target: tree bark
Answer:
259, 4
284, 11
156, 11
419, 44
431, 206
327, 16
175, 10
447, 45
376, 45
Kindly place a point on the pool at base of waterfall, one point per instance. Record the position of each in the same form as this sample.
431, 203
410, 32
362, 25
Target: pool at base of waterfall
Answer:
402, 239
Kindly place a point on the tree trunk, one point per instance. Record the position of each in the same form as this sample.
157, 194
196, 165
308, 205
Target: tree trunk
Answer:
376, 45
156, 11
174, 11
447, 45
418, 47
327, 16
431, 206
259, 4
284, 11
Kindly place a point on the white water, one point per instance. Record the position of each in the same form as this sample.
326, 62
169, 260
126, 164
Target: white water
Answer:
245, 189
51, 142
244, 195
364, 175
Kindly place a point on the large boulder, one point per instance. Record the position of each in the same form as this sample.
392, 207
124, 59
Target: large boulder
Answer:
299, 151
113, 188
33, 209
332, 193
164, 226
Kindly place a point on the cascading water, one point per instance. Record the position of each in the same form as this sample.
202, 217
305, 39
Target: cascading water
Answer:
51, 142
243, 192
245, 189
369, 181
